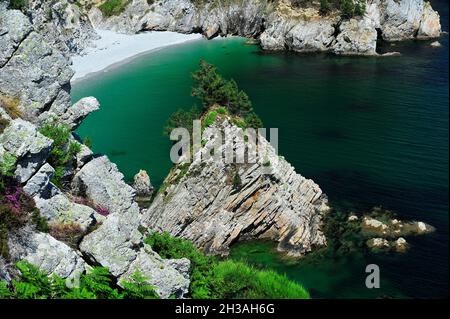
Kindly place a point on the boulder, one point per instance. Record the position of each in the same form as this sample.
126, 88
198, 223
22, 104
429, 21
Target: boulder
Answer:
400, 245
78, 112
100, 181
14, 28
374, 224
40, 185
31, 148
60, 210
379, 243
164, 275
142, 184
45, 252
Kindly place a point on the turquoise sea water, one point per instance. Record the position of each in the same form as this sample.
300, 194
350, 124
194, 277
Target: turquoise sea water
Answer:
369, 131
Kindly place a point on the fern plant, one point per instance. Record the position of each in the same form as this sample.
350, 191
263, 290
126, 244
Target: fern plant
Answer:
95, 284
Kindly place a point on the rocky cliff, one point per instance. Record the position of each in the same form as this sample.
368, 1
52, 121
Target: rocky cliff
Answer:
94, 199
279, 25
214, 204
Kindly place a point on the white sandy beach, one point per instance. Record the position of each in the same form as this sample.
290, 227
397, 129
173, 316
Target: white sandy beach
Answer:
113, 48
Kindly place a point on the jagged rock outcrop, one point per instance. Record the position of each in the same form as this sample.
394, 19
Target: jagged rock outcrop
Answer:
215, 204
31, 148
78, 111
63, 24
117, 243
40, 185
169, 276
34, 87
35, 74
44, 251
408, 19
142, 184
279, 25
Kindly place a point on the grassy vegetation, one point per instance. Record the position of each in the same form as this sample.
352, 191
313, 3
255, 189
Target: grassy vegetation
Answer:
63, 151
69, 233
212, 278
11, 105
95, 284
113, 7
209, 118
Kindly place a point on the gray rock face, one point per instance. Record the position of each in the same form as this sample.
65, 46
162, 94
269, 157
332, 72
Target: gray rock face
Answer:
31, 148
63, 25
84, 155
40, 185
78, 111
356, 37
101, 181
36, 74
117, 243
59, 209
45, 252
430, 26
207, 208
169, 277
278, 25
401, 19
114, 244
14, 27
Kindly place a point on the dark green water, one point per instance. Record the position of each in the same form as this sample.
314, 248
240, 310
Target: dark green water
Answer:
369, 131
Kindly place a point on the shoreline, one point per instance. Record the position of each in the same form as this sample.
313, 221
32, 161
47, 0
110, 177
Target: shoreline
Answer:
113, 49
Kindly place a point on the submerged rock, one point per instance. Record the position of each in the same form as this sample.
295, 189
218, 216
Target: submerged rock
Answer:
435, 44
379, 243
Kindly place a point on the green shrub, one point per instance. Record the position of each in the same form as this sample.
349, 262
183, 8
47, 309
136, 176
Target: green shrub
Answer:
237, 280
113, 7
63, 151
18, 4
209, 119
182, 118
214, 279
237, 182
7, 164
95, 284
211, 89
252, 120
171, 247
221, 110
325, 7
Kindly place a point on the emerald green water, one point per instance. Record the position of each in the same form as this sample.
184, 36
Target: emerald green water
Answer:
369, 131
